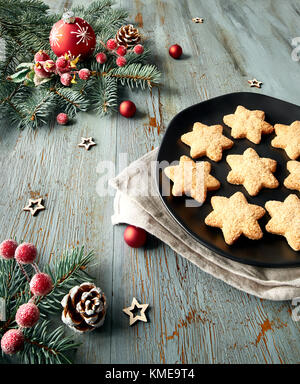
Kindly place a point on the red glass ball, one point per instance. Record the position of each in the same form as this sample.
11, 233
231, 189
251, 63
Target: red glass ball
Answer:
135, 237
175, 51
76, 38
127, 108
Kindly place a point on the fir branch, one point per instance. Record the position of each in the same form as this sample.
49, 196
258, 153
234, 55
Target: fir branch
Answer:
103, 95
70, 100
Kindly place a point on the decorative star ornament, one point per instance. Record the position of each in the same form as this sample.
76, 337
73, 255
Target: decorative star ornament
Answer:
255, 83
198, 20
34, 206
87, 143
133, 319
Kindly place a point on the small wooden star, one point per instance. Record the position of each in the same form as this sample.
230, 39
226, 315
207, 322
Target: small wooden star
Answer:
255, 83
87, 143
34, 206
198, 20
141, 317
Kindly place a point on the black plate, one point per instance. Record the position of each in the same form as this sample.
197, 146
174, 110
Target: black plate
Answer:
272, 251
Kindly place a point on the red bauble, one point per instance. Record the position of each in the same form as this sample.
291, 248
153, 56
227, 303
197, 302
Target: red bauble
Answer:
41, 284
27, 315
135, 237
73, 36
26, 253
175, 51
127, 108
12, 341
8, 249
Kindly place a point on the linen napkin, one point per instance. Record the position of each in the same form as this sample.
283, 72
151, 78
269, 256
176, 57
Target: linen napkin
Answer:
138, 203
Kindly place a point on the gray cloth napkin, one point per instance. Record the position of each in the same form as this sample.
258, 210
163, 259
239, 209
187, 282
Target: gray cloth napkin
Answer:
137, 203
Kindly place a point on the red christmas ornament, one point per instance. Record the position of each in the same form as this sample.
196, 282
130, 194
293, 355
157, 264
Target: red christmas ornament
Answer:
41, 284
127, 108
175, 51
72, 35
62, 118
12, 341
27, 315
8, 248
135, 237
26, 253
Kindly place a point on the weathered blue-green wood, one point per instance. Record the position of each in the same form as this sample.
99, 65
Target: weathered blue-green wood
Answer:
194, 318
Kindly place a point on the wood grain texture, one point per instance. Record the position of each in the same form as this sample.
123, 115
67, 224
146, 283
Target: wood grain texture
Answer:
193, 318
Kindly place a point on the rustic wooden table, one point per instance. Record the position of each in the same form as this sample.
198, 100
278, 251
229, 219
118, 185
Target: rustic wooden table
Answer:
194, 318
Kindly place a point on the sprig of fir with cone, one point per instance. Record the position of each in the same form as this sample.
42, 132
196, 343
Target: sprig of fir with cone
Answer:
61, 64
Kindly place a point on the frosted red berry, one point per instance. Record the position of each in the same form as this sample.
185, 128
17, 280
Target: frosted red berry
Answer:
138, 49
121, 51
8, 248
41, 56
84, 74
26, 253
62, 62
62, 118
12, 341
49, 66
121, 61
27, 315
66, 79
41, 284
101, 58
40, 71
111, 44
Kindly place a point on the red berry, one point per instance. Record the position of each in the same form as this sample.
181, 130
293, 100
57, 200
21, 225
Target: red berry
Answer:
27, 315
12, 341
121, 61
66, 79
62, 118
41, 284
175, 51
41, 56
111, 44
101, 58
26, 253
127, 108
40, 71
138, 49
84, 74
121, 51
62, 62
135, 237
49, 66
8, 248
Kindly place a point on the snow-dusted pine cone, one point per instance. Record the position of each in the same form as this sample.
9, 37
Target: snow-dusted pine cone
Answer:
84, 308
128, 36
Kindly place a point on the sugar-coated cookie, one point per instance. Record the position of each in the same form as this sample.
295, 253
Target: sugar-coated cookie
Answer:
252, 171
285, 220
236, 217
293, 180
192, 179
288, 138
248, 124
207, 141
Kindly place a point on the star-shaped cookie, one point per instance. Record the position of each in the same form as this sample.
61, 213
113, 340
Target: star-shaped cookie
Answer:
192, 179
285, 220
207, 140
288, 138
235, 216
293, 180
252, 171
248, 124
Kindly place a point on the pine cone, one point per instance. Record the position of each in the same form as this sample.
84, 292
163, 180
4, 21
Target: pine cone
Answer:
84, 308
128, 36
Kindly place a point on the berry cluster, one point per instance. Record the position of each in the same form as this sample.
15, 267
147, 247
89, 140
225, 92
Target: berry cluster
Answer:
119, 51
40, 285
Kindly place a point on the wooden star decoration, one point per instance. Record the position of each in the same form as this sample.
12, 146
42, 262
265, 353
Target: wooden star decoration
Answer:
198, 20
133, 319
87, 143
34, 206
255, 83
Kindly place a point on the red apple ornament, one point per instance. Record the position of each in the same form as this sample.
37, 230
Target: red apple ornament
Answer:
127, 108
72, 35
135, 237
175, 51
